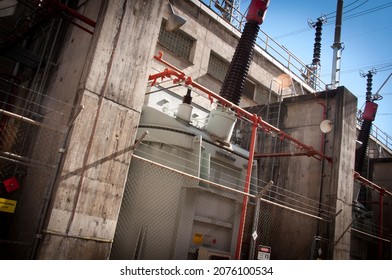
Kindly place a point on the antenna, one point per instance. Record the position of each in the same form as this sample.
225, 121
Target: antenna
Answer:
337, 46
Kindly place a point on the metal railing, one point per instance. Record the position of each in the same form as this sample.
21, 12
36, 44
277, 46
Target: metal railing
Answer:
377, 134
282, 55
381, 137
288, 60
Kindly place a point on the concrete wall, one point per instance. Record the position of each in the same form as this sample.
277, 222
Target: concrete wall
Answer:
107, 73
212, 34
162, 210
329, 183
62, 89
90, 184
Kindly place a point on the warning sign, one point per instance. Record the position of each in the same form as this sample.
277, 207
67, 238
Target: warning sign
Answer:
198, 238
264, 253
7, 205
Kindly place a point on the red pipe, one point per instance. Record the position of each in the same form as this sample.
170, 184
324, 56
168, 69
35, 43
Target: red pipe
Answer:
381, 191
160, 59
240, 112
324, 118
365, 181
246, 188
79, 26
73, 13
283, 155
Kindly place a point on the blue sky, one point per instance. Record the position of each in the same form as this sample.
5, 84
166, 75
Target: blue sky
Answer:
366, 34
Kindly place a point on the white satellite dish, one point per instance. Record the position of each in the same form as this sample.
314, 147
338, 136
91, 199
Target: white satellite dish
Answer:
326, 126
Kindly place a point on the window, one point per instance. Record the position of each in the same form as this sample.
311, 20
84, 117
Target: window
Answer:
176, 41
249, 89
262, 95
217, 67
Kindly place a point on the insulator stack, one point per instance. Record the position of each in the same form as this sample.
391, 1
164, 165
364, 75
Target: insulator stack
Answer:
233, 84
187, 99
369, 84
317, 40
363, 137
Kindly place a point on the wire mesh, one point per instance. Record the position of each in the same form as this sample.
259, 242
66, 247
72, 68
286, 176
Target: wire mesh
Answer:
371, 230
177, 205
33, 127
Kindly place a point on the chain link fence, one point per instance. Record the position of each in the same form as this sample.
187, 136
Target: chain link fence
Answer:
371, 231
33, 127
179, 205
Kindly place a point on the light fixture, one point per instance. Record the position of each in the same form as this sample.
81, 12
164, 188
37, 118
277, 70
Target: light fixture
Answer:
326, 126
174, 21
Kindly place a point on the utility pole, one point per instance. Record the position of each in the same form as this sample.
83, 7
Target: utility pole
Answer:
337, 47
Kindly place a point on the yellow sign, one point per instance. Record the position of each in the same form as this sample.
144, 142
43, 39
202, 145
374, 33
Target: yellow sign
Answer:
198, 238
7, 205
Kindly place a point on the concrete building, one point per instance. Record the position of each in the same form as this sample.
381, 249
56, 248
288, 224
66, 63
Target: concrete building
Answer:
78, 184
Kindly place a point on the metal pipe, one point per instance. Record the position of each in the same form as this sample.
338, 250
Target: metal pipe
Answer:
374, 202
371, 235
79, 26
29, 121
23, 160
283, 155
246, 189
225, 103
358, 177
256, 218
337, 46
50, 187
73, 13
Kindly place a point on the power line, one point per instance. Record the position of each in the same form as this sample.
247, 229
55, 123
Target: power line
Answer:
368, 11
372, 10
345, 12
334, 12
379, 67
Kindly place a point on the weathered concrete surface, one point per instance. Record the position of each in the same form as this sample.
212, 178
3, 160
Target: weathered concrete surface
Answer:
380, 170
342, 183
90, 185
45, 144
212, 34
329, 183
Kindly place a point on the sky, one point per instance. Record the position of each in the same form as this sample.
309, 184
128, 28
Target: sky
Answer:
366, 36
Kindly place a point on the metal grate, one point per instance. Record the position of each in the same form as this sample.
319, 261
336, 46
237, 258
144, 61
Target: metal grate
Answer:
263, 96
217, 67
176, 41
33, 127
170, 212
371, 237
249, 89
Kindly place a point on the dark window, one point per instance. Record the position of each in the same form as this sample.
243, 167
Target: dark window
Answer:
249, 89
217, 67
176, 41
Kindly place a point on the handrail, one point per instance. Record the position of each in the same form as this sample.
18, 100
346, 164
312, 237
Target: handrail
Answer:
288, 60
181, 77
295, 65
369, 183
379, 135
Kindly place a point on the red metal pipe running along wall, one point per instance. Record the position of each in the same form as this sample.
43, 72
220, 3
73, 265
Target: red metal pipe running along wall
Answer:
181, 77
